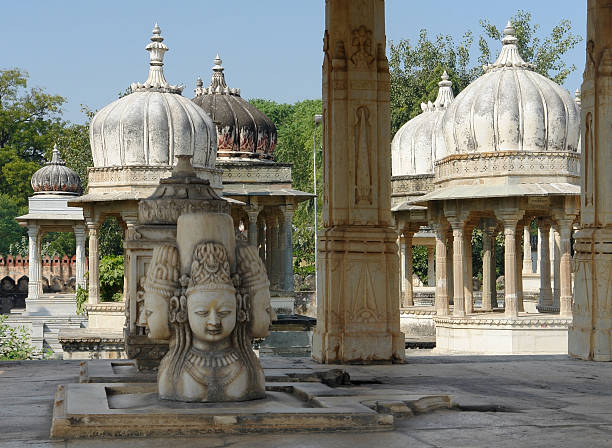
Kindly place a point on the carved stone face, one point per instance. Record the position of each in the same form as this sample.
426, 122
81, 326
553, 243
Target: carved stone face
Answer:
263, 313
156, 315
212, 314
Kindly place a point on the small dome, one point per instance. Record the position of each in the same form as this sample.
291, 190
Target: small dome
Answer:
242, 129
512, 108
153, 124
56, 177
418, 142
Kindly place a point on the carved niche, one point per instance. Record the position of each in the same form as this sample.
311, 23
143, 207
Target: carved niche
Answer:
361, 42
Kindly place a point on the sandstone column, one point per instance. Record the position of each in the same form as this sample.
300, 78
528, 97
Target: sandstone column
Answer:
527, 265
555, 264
565, 270
488, 260
34, 272
449, 267
546, 298
94, 262
79, 235
287, 237
539, 254
519, 271
252, 213
441, 300
431, 267
511, 305
458, 261
275, 260
261, 238
358, 313
494, 303
468, 292
269, 226
408, 291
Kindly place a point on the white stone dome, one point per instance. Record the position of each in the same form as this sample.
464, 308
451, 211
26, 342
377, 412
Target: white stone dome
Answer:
511, 108
153, 124
417, 143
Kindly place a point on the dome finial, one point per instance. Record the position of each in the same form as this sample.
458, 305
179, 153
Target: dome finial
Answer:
156, 79
509, 56
56, 158
445, 93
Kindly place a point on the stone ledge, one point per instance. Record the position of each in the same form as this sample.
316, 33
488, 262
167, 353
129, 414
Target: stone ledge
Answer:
105, 307
552, 323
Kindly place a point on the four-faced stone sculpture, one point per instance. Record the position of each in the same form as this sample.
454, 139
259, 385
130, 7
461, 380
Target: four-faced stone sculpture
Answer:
210, 307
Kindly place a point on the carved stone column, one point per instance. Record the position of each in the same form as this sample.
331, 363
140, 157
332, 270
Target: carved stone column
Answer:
34, 270
261, 238
590, 336
527, 265
431, 267
539, 254
555, 261
458, 261
408, 291
449, 267
286, 235
94, 263
269, 227
79, 236
488, 259
546, 298
510, 220
565, 271
441, 300
494, 303
275, 259
253, 213
519, 269
468, 293
358, 266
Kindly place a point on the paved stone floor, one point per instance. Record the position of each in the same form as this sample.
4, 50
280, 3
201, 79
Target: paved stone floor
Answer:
502, 401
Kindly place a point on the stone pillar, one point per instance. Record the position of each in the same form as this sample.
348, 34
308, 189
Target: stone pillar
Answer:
527, 265
556, 265
79, 236
269, 226
431, 267
261, 238
539, 254
34, 272
519, 270
252, 213
94, 262
468, 284
275, 273
458, 272
494, 303
449, 267
488, 261
546, 298
511, 304
287, 254
408, 291
565, 270
441, 300
357, 311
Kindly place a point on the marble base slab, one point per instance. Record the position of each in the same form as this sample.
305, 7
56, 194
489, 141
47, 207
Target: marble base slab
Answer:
113, 410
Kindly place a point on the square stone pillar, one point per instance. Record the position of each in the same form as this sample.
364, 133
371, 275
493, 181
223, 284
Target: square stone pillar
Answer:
253, 213
94, 263
357, 311
261, 237
449, 267
458, 263
555, 264
431, 267
510, 220
408, 299
34, 269
488, 264
286, 234
468, 284
527, 264
519, 269
546, 297
79, 236
441, 300
565, 272
269, 227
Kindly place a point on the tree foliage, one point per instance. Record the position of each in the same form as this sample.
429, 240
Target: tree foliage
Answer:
15, 342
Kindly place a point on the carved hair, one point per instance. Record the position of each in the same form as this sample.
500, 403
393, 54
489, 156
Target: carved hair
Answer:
163, 276
251, 268
210, 268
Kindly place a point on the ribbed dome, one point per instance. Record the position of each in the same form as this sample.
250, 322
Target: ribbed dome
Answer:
153, 124
416, 144
56, 177
242, 129
511, 108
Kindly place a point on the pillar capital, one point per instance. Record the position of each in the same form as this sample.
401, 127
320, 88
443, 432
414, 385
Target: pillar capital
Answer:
509, 218
253, 212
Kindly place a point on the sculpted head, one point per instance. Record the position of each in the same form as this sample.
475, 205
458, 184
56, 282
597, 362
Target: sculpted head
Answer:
211, 296
254, 282
160, 285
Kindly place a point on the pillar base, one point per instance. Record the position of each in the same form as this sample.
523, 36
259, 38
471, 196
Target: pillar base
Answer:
358, 311
590, 336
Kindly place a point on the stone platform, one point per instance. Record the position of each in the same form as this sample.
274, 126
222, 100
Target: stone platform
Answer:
494, 334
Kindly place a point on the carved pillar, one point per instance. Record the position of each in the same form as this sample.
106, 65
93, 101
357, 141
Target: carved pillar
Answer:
441, 300
519, 271
408, 291
510, 220
527, 265
269, 226
34, 272
565, 271
546, 298
261, 238
130, 267
79, 236
458, 261
449, 267
357, 311
94, 262
539, 254
252, 213
275, 273
431, 267
468, 293
488, 264
555, 264
287, 254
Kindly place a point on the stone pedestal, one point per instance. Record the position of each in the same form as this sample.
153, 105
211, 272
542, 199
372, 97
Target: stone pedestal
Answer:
358, 309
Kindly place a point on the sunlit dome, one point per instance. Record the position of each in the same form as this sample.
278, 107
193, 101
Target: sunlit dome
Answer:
55, 177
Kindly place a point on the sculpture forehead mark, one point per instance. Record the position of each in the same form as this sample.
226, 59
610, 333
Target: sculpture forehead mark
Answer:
213, 299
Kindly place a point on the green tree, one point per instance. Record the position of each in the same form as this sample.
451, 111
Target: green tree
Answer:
15, 342
10, 231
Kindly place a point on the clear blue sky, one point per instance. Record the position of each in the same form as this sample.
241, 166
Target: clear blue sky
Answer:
91, 51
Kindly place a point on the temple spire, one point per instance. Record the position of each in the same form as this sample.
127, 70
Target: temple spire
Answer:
217, 85
509, 55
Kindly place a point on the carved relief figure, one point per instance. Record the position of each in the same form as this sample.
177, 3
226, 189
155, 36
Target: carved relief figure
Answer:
588, 155
363, 166
589, 67
362, 45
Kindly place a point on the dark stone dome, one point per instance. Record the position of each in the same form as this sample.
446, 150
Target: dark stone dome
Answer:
56, 177
242, 129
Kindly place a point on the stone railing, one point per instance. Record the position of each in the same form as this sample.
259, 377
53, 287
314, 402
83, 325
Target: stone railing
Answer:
509, 163
254, 172
412, 185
